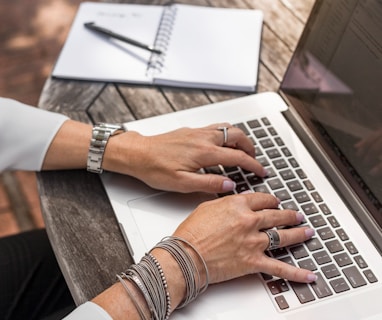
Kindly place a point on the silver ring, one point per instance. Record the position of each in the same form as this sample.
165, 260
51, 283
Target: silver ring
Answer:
274, 239
225, 134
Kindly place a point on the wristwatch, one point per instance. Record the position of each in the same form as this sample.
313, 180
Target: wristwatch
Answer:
100, 136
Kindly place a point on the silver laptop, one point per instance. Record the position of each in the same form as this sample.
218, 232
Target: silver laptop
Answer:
308, 136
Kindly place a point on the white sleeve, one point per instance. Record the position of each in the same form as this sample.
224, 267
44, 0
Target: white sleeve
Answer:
25, 135
88, 310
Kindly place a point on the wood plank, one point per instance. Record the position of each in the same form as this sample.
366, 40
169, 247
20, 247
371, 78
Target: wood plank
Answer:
83, 230
110, 107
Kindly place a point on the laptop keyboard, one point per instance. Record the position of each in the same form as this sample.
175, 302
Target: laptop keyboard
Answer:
330, 254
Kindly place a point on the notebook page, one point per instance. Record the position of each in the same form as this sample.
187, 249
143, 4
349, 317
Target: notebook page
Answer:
89, 55
213, 48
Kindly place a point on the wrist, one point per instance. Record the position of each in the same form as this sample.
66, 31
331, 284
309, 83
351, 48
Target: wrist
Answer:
101, 134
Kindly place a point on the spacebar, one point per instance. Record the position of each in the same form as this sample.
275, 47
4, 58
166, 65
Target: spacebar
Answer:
302, 291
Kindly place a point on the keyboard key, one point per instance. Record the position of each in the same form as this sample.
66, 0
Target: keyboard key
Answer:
360, 262
260, 133
299, 252
308, 185
266, 143
279, 141
333, 222
271, 173
254, 124
281, 302
317, 221
294, 185
322, 257
283, 195
316, 196
370, 276
273, 153
261, 188
286, 151
313, 244
280, 164
242, 187
237, 177
277, 286
339, 285
301, 174
334, 246
351, 247
354, 277
293, 162
320, 287
265, 121
342, 234
263, 161
325, 209
302, 291
290, 205
214, 170
309, 208
307, 264
242, 127
330, 271
325, 233
254, 180
288, 260
343, 259
279, 252
272, 131
302, 197
287, 174
275, 184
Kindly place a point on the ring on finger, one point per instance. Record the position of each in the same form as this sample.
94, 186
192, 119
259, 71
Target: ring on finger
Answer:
274, 239
225, 134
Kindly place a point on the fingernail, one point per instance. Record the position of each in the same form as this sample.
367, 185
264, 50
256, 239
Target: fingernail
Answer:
265, 172
246, 192
309, 233
228, 185
311, 277
300, 217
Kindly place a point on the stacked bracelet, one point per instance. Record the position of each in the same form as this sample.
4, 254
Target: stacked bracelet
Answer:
148, 277
187, 265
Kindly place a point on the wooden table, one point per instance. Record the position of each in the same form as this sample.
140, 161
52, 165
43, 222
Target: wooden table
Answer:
78, 215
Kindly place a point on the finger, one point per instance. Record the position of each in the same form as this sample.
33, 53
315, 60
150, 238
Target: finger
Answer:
279, 218
260, 201
286, 271
210, 183
236, 138
232, 157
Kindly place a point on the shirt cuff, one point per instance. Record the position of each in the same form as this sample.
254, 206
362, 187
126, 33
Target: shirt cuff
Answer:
88, 310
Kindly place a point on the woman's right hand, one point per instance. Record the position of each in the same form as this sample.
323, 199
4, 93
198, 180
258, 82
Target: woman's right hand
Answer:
228, 233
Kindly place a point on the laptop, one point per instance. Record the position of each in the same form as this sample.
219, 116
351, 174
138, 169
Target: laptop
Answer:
308, 136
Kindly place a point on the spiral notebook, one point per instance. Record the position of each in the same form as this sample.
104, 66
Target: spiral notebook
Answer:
202, 47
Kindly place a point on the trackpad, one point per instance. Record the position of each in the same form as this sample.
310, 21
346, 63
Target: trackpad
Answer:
158, 215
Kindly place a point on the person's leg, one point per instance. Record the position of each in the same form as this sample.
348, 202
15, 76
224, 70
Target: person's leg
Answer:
31, 283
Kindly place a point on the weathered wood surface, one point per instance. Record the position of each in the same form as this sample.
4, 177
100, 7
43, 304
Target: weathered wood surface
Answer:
78, 216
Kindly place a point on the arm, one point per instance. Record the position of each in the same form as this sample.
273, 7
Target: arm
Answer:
243, 219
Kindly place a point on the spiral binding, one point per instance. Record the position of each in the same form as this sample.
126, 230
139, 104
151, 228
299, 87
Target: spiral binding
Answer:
162, 40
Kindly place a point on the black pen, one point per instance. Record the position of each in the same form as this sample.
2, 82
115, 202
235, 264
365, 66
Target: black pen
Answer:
111, 34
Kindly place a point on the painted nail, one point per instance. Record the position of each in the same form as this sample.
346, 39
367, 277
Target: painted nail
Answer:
228, 185
311, 277
309, 233
300, 217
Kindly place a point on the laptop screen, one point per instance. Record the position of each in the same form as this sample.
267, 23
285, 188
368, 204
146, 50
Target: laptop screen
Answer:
335, 82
